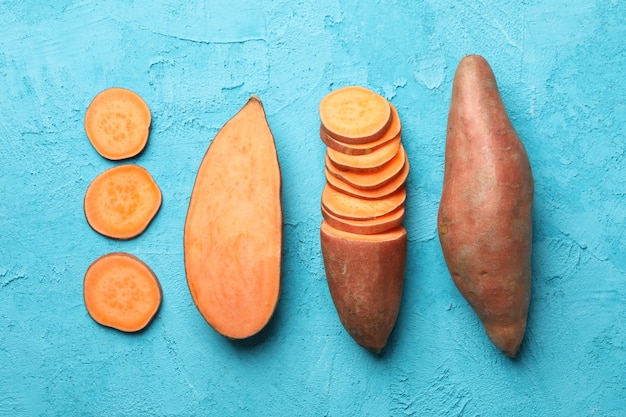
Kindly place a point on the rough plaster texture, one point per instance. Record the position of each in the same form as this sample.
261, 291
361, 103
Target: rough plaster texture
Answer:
560, 69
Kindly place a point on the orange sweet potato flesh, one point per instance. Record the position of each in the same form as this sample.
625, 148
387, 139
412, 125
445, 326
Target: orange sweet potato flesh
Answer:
122, 201
485, 212
117, 123
355, 114
234, 227
365, 275
122, 292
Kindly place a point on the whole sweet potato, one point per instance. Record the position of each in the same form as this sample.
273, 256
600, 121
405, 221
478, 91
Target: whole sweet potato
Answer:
485, 213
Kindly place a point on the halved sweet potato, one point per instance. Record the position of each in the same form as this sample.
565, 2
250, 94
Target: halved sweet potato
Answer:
365, 275
355, 114
485, 213
234, 227
372, 179
393, 131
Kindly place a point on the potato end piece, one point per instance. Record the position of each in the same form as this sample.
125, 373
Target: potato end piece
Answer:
365, 275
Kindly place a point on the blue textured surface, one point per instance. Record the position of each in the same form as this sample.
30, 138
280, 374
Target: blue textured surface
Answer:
560, 68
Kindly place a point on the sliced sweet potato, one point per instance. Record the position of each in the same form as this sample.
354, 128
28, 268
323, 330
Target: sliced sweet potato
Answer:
122, 201
122, 292
368, 162
372, 179
233, 230
368, 226
117, 123
372, 193
349, 207
393, 131
485, 213
355, 114
365, 275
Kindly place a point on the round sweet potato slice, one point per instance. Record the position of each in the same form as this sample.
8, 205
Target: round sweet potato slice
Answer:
355, 114
122, 201
121, 292
117, 123
393, 131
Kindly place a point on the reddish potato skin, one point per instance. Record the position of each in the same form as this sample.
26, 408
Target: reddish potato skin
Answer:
485, 212
365, 279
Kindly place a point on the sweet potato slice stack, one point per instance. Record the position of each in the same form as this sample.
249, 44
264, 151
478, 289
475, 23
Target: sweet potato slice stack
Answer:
363, 241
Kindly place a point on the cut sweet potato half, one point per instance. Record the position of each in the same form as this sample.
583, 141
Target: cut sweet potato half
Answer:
122, 201
372, 179
233, 230
117, 123
368, 162
372, 193
393, 131
366, 227
365, 275
122, 292
349, 207
355, 114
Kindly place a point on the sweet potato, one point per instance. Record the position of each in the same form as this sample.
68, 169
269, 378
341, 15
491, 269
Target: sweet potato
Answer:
117, 123
122, 292
355, 114
362, 237
234, 227
485, 213
122, 201
393, 131
365, 275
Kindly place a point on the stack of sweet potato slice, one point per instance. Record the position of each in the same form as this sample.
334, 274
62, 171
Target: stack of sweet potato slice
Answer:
363, 241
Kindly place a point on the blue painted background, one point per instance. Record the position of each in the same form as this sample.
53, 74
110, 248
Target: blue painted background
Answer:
560, 67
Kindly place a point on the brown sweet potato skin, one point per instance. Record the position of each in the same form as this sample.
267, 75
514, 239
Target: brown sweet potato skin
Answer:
485, 212
365, 278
